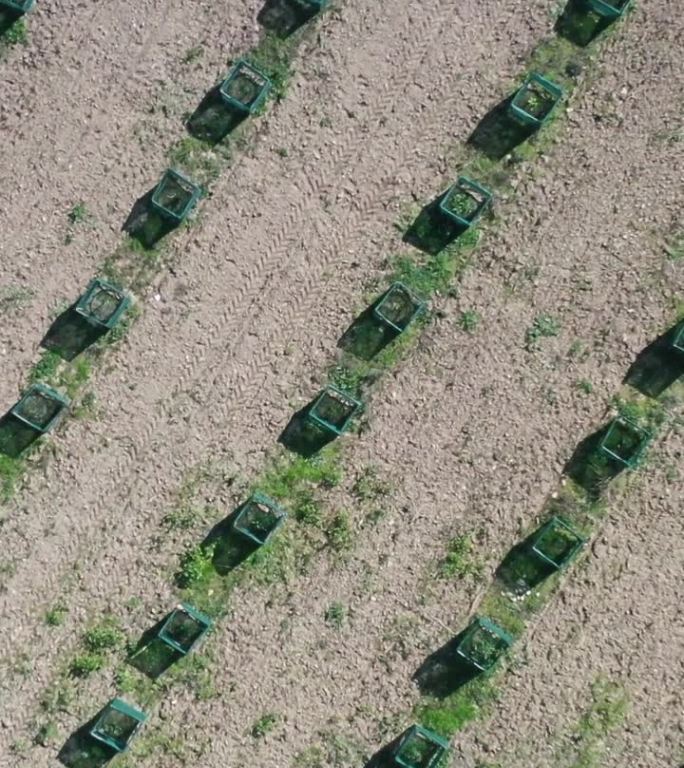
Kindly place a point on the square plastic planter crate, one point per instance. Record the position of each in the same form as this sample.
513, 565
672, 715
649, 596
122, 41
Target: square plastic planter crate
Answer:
556, 543
609, 10
40, 407
420, 748
333, 410
184, 628
245, 88
535, 100
483, 643
102, 304
464, 202
175, 196
678, 341
16, 6
398, 307
259, 518
117, 725
624, 442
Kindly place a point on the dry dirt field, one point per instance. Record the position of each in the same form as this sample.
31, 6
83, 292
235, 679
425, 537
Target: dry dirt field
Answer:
465, 439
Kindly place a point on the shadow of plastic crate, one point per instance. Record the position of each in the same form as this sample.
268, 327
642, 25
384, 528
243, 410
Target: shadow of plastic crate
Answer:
175, 196
609, 10
40, 408
102, 304
536, 99
245, 88
184, 628
483, 643
333, 410
464, 202
420, 747
117, 725
259, 518
625, 442
283, 17
398, 308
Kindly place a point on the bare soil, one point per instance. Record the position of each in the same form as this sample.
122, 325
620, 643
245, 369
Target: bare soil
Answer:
472, 432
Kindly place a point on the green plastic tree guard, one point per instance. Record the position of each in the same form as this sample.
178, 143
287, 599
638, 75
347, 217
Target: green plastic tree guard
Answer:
102, 304
625, 442
245, 88
420, 748
465, 201
17, 6
678, 341
483, 643
259, 518
398, 307
535, 100
556, 543
40, 407
175, 196
333, 410
117, 725
609, 10
184, 628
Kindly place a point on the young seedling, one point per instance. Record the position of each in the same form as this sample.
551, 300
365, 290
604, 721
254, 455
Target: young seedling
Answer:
625, 442
465, 202
102, 304
175, 196
40, 408
245, 88
483, 643
420, 748
333, 410
117, 725
259, 518
184, 628
398, 307
535, 100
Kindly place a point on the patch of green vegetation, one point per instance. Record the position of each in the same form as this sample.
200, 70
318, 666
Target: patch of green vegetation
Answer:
85, 664
196, 566
54, 616
311, 757
544, 326
201, 163
449, 715
339, 533
502, 611
460, 560
47, 734
16, 34
273, 57
584, 385
157, 739
264, 725
469, 320
11, 472
46, 369
79, 214
193, 54
369, 487
104, 636
336, 614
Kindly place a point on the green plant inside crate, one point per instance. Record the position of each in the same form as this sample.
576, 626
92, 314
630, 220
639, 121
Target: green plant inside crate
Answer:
420, 748
175, 196
102, 304
465, 201
624, 441
483, 643
535, 100
556, 542
245, 87
259, 518
333, 410
609, 9
184, 628
40, 407
398, 307
117, 724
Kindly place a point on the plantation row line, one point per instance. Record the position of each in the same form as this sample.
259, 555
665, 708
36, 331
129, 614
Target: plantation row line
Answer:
104, 312
546, 551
